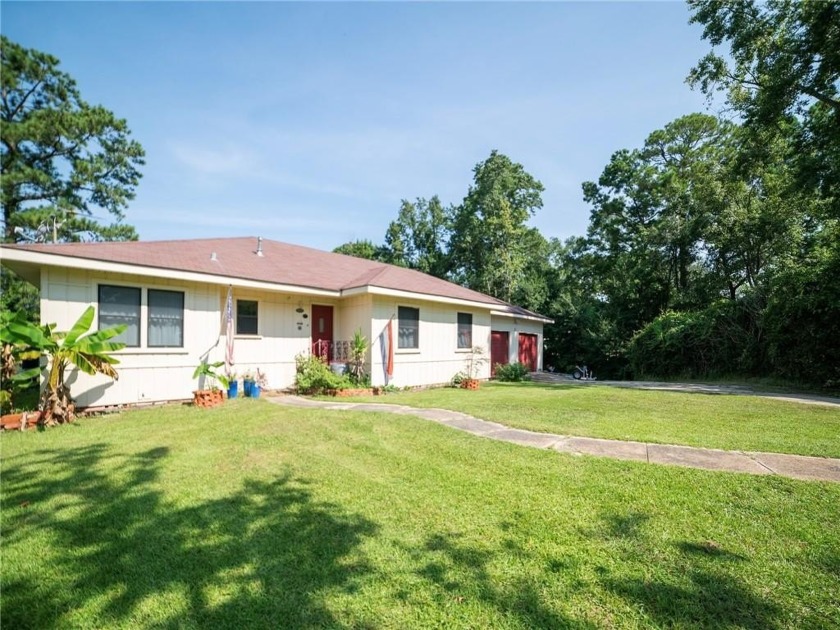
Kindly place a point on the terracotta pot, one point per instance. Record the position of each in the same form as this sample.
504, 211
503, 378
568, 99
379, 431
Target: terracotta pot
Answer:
470, 383
205, 398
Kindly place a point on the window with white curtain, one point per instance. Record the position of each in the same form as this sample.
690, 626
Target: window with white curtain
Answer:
166, 319
464, 330
408, 329
120, 305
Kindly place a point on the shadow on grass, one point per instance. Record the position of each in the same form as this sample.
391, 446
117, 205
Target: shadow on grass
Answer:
703, 592
712, 599
262, 556
460, 572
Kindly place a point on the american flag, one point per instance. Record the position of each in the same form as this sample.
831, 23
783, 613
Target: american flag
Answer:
229, 332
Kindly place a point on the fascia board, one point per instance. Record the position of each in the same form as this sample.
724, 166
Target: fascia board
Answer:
58, 260
544, 320
411, 295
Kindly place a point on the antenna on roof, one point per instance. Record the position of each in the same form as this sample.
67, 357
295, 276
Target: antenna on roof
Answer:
259, 251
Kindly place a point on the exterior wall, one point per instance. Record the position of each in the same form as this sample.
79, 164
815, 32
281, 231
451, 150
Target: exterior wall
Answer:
156, 374
159, 374
438, 358
514, 326
354, 313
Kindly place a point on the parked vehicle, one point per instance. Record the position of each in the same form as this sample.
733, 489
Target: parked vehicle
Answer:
583, 374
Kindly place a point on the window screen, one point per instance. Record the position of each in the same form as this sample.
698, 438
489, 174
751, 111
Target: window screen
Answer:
166, 319
464, 330
408, 330
246, 317
120, 305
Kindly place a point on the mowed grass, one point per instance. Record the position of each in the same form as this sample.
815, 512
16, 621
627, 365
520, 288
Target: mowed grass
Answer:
747, 423
255, 515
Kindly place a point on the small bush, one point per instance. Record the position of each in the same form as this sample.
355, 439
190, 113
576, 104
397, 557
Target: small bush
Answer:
512, 373
314, 376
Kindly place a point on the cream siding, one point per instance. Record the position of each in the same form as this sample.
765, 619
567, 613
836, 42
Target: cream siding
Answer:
438, 358
160, 374
157, 374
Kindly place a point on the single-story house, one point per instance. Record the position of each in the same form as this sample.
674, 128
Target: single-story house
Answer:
286, 300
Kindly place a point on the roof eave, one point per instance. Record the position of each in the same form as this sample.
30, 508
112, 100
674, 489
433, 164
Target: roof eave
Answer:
61, 260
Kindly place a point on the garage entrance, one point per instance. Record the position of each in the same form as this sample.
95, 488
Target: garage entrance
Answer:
499, 349
528, 350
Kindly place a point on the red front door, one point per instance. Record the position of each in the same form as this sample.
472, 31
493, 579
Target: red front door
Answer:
499, 349
528, 350
322, 331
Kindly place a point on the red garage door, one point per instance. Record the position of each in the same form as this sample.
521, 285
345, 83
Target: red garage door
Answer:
499, 349
528, 350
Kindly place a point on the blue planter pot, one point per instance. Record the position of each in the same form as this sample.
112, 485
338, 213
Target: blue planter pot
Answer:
248, 386
233, 389
255, 390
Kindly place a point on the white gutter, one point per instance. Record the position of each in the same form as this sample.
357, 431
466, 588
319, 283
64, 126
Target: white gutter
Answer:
411, 295
533, 318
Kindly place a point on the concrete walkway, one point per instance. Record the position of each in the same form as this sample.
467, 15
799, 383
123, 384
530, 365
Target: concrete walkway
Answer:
795, 466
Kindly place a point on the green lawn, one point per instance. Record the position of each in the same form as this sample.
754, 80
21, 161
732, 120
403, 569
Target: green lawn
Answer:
255, 515
749, 423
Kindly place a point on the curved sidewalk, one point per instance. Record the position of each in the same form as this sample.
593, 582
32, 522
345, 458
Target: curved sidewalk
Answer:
795, 466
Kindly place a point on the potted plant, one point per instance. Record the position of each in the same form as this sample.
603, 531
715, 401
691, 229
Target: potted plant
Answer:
475, 360
211, 395
233, 385
248, 383
258, 383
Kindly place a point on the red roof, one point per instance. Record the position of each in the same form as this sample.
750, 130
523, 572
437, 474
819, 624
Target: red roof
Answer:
281, 263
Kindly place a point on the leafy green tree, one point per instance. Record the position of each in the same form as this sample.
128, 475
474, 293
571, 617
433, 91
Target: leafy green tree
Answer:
62, 159
489, 242
89, 352
419, 237
782, 76
650, 213
362, 249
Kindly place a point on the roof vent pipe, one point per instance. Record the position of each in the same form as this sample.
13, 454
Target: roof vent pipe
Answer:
213, 256
259, 251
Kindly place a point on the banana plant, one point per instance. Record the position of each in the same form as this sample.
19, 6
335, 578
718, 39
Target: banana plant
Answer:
89, 352
12, 352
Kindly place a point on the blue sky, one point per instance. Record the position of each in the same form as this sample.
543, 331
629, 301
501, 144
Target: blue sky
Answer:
308, 123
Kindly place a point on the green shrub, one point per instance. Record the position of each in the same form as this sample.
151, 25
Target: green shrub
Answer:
802, 323
722, 339
314, 376
512, 372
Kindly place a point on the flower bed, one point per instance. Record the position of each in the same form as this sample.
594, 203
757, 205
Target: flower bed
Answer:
346, 393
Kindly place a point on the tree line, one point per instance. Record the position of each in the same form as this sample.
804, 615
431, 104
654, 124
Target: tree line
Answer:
713, 248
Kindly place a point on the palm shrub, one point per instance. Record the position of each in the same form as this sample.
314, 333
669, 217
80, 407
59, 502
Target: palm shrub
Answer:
89, 352
358, 353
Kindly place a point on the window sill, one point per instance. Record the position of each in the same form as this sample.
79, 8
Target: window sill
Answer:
407, 351
463, 350
235, 337
126, 351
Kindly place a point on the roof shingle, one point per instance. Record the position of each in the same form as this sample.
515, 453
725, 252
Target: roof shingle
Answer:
281, 263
